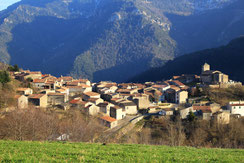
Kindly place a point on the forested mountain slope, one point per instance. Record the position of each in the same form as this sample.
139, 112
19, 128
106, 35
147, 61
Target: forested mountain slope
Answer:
112, 39
228, 59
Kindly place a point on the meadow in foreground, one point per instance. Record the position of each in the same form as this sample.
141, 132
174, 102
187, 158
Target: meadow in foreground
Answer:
18, 151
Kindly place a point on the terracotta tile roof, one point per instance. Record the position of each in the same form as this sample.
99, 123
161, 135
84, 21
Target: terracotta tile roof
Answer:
17, 96
116, 107
167, 109
123, 90
83, 80
36, 96
85, 86
236, 104
206, 111
75, 101
55, 94
77, 87
39, 80
67, 78
174, 87
176, 77
50, 82
108, 119
201, 107
116, 99
73, 83
93, 99
91, 94
103, 104
177, 82
35, 72
22, 89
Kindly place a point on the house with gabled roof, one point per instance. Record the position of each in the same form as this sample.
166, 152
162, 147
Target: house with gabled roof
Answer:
141, 100
85, 81
21, 101
105, 107
63, 90
117, 112
39, 100
25, 91
221, 117
33, 75
39, 83
88, 95
129, 107
236, 107
95, 101
91, 109
109, 121
57, 98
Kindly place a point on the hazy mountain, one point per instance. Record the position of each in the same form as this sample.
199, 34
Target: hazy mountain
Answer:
227, 59
113, 39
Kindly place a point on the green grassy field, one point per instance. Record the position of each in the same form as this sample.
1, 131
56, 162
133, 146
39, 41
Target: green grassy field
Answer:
13, 151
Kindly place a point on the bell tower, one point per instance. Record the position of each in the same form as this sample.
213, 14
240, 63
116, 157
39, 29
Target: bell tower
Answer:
205, 67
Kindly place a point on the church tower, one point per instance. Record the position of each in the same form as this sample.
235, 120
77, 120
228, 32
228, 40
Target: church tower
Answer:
205, 67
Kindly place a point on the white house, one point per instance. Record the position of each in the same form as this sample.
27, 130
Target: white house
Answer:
236, 107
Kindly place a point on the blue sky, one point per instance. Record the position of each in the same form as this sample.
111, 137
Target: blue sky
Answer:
5, 3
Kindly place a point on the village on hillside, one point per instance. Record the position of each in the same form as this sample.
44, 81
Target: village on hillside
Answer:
113, 102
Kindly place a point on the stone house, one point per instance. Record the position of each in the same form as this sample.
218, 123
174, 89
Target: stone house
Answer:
187, 78
117, 112
129, 107
105, 107
39, 83
50, 84
66, 79
161, 87
221, 117
142, 101
115, 101
177, 83
176, 95
92, 109
85, 81
38, 100
64, 90
185, 112
33, 75
95, 101
109, 96
57, 98
86, 88
206, 115
88, 95
213, 107
77, 102
75, 90
181, 97
127, 91
168, 111
21, 101
109, 121
25, 91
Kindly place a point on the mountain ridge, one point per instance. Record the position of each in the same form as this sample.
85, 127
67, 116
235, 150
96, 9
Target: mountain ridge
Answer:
104, 39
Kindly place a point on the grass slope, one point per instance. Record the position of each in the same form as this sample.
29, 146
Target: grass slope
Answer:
13, 151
